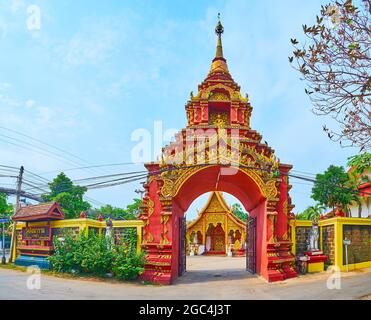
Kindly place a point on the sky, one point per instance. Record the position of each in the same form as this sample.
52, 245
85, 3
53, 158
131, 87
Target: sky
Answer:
88, 74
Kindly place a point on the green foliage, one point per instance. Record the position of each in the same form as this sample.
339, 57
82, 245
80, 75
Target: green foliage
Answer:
126, 264
134, 208
90, 255
6, 209
334, 188
69, 196
130, 213
312, 212
361, 164
239, 212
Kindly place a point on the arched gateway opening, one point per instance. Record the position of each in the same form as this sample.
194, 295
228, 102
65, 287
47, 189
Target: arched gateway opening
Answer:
217, 151
241, 186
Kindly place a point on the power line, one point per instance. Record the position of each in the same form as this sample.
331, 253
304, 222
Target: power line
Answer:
46, 144
97, 166
32, 186
129, 177
37, 176
78, 181
44, 151
37, 149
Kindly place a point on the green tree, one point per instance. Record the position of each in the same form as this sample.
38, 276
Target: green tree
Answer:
239, 212
334, 188
312, 212
69, 196
130, 213
361, 164
133, 209
360, 168
6, 209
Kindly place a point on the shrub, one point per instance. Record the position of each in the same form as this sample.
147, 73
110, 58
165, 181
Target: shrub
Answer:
91, 255
127, 264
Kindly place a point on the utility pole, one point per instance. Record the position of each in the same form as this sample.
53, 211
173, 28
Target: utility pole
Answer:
141, 192
17, 206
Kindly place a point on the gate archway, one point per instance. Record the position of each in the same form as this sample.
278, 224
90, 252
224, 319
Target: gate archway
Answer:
217, 151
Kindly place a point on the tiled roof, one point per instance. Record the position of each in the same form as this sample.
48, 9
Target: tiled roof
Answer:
43, 211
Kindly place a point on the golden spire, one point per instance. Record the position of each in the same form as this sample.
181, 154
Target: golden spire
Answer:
219, 30
219, 63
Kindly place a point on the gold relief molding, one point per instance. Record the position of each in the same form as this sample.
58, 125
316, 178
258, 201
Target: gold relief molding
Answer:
218, 96
205, 94
164, 256
215, 219
164, 220
271, 190
151, 206
172, 187
164, 240
219, 120
149, 238
285, 208
285, 179
285, 236
167, 189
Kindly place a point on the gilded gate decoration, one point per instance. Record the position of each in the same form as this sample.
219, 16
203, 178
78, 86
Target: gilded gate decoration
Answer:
217, 136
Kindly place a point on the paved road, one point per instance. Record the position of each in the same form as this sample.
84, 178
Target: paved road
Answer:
224, 278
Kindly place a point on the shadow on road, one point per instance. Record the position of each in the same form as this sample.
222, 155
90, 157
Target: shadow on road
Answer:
197, 276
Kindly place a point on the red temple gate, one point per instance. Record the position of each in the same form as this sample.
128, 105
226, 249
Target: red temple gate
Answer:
217, 151
251, 244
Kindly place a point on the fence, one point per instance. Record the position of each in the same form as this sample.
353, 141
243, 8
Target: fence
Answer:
332, 233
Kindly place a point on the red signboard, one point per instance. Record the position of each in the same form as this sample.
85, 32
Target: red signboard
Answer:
37, 233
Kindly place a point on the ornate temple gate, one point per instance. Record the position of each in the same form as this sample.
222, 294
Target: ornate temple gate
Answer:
251, 245
217, 151
182, 245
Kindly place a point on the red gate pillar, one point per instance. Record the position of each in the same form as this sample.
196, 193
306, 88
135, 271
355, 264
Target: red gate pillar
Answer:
157, 233
280, 258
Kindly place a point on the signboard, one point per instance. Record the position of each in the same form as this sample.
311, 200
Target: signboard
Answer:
346, 242
4, 220
37, 233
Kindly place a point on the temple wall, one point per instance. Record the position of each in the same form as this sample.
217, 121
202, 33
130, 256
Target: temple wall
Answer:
332, 233
60, 227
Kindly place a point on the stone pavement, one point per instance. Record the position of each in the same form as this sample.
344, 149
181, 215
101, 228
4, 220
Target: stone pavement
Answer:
207, 278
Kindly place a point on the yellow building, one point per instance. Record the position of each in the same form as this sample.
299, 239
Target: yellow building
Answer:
216, 230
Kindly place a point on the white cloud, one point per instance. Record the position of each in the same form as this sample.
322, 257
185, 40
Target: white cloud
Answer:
30, 103
16, 5
91, 45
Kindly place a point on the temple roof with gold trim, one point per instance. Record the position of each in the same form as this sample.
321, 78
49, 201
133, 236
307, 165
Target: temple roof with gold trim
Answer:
216, 204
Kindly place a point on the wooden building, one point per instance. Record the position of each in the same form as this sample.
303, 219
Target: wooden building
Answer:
216, 230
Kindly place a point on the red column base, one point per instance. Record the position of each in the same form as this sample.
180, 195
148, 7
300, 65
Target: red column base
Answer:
157, 268
163, 278
280, 262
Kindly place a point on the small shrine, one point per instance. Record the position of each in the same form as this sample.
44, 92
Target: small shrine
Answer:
216, 230
35, 241
314, 256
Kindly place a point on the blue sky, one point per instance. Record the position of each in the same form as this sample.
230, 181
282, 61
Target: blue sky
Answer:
98, 70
